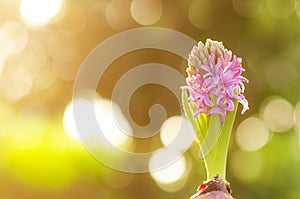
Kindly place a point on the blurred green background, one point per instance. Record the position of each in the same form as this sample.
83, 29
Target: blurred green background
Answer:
42, 44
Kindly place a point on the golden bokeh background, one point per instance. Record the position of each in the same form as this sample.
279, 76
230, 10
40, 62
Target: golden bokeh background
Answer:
44, 42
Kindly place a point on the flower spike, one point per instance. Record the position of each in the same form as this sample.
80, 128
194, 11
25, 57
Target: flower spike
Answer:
214, 79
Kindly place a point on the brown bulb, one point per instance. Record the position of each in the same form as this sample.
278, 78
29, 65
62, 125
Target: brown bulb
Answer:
217, 188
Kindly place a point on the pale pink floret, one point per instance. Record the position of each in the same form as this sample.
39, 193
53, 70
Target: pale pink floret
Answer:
214, 79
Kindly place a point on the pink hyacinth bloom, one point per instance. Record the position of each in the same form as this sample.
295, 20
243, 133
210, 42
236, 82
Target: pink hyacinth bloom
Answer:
214, 79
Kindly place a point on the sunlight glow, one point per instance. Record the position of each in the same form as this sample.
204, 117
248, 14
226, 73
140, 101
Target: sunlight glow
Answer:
66, 63
171, 128
169, 174
2, 61
37, 13
16, 81
112, 122
58, 41
13, 38
106, 112
117, 14
297, 121
279, 114
280, 9
201, 14
146, 12
69, 122
252, 134
74, 18
116, 179
246, 166
248, 8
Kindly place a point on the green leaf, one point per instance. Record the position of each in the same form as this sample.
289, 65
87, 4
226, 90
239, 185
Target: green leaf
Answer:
199, 123
212, 136
223, 144
210, 143
217, 158
187, 109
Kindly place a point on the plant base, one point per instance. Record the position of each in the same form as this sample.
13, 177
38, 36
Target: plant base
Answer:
217, 188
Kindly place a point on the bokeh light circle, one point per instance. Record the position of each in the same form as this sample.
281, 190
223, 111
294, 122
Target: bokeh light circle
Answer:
171, 127
115, 179
66, 63
59, 40
169, 174
2, 62
278, 114
16, 81
13, 38
297, 119
283, 77
74, 18
104, 113
298, 9
201, 14
117, 14
297, 115
281, 8
252, 134
248, 8
246, 166
146, 12
37, 13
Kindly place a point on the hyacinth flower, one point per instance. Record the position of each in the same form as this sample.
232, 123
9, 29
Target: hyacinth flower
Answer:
215, 87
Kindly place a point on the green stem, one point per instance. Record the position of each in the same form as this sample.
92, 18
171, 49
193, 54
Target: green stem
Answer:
210, 144
213, 137
216, 159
